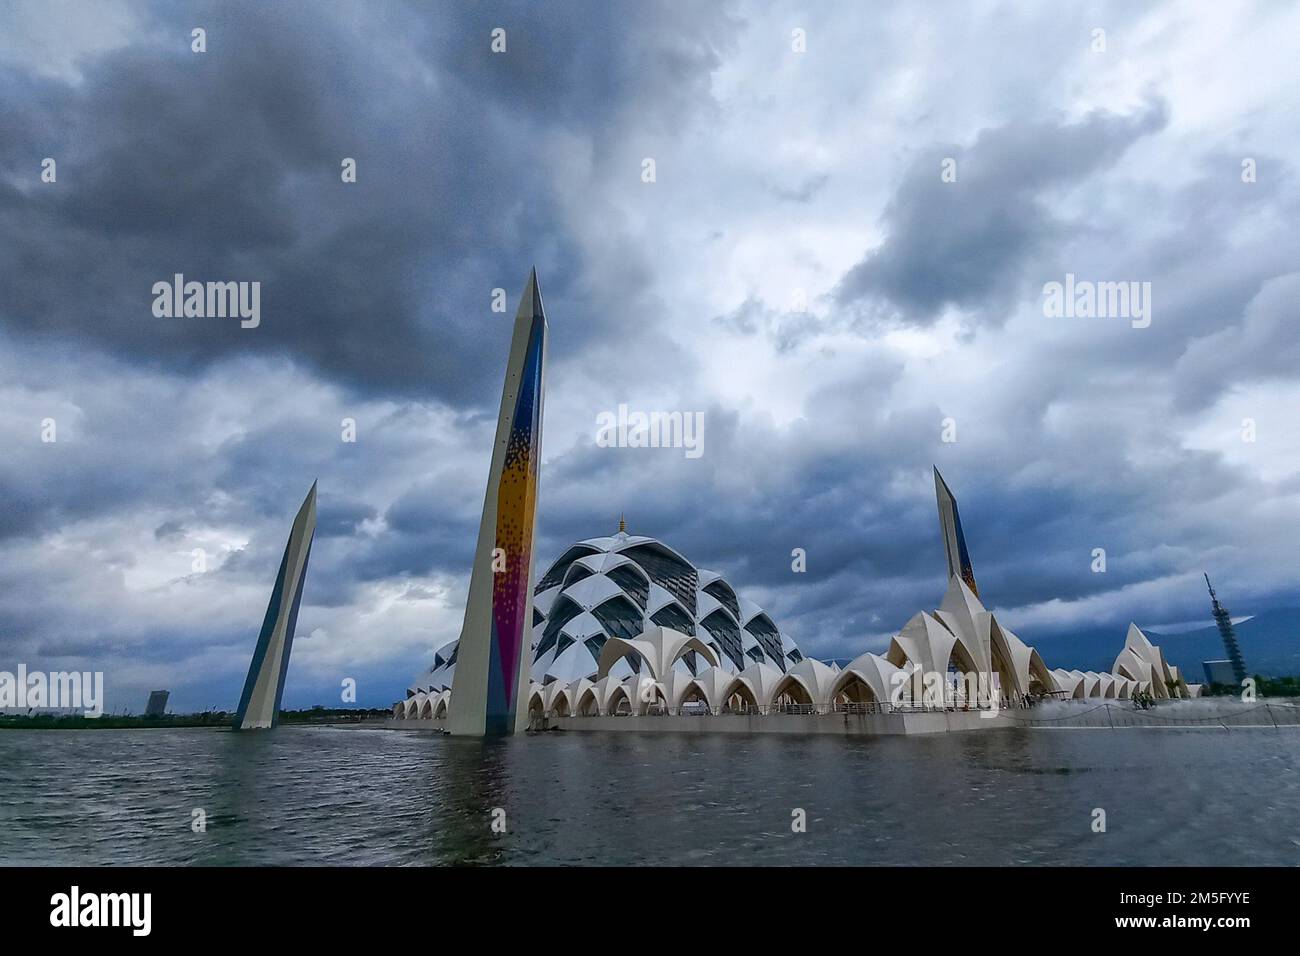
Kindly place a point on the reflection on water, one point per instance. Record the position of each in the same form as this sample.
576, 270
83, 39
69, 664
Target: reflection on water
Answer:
362, 797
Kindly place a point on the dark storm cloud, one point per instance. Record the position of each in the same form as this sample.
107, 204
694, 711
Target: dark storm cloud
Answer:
417, 519
966, 243
761, 494
341, 518
592, 69
1263, 339
226, 166
1218, 257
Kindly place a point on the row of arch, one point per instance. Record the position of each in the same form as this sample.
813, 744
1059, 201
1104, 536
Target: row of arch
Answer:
811, 687
430, 706
960, 640
1083, 685
869, 684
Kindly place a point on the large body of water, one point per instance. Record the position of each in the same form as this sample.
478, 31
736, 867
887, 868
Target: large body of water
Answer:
324, 796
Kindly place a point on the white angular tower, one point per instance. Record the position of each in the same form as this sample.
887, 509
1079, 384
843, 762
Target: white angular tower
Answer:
490, 687
259, 705
954, 542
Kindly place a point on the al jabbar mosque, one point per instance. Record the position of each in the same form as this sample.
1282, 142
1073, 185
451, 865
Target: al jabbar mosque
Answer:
626, 633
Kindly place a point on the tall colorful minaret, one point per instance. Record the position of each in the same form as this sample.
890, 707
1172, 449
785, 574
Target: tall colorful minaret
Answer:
259, 705
489, 691
1229, 635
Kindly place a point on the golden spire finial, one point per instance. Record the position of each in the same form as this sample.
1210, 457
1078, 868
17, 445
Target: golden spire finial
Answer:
622, 525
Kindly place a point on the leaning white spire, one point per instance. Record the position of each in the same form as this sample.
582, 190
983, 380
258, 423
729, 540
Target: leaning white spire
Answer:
259, 705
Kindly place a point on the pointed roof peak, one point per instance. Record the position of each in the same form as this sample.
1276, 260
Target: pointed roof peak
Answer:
938, 479
530, 304
309, 503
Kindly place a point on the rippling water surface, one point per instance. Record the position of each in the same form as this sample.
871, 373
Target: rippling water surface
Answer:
357, 796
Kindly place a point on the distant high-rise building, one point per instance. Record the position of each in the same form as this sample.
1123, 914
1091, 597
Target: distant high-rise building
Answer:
157, 705
259, 705
1229, 636
1218, 672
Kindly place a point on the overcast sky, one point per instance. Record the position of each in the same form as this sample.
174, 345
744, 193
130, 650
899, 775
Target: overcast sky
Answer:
780, 176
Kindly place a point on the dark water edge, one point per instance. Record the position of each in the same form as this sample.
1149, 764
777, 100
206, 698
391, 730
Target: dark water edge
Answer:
350, 796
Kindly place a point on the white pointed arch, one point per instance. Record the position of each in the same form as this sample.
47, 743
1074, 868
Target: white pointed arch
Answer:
924, 641
739, 696
607, 691
658, 647
714, 681
556, 700
818, 678
873, 672
676, 685
582, 698
760, 680
645, 693
1065, 683
969, 622
792, 691
536, 707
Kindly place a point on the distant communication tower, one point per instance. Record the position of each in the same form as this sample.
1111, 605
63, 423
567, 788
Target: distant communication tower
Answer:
1229, 636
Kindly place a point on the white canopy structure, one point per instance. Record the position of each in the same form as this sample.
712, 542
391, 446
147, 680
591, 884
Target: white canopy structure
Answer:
713, 683
582, 693
657, 647
1144, 662
807, 684
682, 634
556, 699
869, 678
676, 687
753, 687
811, 687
